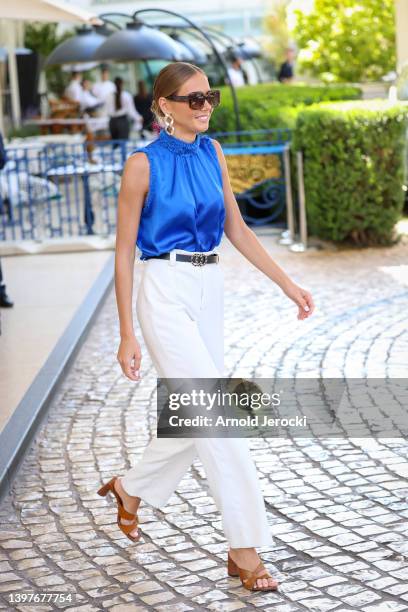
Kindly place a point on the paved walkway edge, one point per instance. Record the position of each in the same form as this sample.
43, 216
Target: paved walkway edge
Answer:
22, 426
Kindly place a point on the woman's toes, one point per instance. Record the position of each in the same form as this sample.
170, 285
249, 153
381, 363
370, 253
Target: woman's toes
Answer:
135, 532
265, 583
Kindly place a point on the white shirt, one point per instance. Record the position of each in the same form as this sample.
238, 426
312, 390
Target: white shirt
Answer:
88, 100
74, 91
127, 108
102, 89
236, 77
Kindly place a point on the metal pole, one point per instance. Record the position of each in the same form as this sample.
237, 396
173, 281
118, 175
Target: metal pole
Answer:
2, 130
302, 205
132, 78
13, 76
288, 236
150, 75
300, 247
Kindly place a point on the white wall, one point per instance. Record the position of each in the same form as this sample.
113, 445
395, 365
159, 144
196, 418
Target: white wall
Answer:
237, 15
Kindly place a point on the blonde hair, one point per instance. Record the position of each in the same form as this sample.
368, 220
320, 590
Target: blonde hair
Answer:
168, 81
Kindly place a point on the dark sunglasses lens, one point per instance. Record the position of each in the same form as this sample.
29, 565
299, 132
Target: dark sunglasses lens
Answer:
197, 101
214, 98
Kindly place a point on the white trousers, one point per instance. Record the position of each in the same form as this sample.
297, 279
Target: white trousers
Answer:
180, 309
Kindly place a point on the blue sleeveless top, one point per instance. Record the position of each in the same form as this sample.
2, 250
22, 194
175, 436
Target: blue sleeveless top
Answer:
184, 207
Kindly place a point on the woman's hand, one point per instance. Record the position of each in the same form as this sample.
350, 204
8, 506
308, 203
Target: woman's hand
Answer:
302, 298
129, 356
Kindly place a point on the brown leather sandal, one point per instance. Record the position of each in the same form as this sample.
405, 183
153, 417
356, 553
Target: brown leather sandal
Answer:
122, 513
249, 577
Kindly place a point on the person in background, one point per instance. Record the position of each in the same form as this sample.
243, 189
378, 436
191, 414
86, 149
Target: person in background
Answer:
5, 301
74, 89
235, 72
103, 88
121, 110
143, 101
286, 71
89, 102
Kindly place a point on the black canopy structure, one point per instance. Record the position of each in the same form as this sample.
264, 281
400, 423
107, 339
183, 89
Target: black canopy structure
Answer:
247, 50
139, 42
191, 53
79, 48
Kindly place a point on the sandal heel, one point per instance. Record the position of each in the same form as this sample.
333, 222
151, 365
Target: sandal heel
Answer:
105, 488
122, 513
232, 567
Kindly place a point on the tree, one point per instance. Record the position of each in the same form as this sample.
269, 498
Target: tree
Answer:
275, 24
347, 40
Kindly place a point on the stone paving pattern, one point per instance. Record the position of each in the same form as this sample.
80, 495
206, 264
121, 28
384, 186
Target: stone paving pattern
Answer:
337, 508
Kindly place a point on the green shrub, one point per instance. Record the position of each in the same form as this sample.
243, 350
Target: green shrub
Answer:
273, 105
354, 167
25, 131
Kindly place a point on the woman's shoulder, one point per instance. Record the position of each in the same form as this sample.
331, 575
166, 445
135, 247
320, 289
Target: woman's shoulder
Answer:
210, 140
213, 147
137, 162
143, 158
211, 143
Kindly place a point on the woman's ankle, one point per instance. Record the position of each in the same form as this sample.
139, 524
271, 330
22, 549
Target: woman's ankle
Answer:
242, 551
132, 498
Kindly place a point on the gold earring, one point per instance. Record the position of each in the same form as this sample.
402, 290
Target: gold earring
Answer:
169, 121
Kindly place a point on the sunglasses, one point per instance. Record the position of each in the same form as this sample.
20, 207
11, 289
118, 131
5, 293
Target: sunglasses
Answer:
196, 99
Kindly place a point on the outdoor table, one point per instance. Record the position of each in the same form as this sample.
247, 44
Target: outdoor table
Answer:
48, 125
88, 126
84, 171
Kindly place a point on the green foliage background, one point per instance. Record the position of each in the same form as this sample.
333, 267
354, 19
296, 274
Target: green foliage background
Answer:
354, 168
347, 40
273, 105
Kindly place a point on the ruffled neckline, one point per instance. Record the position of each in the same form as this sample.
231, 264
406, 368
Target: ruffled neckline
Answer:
177, 145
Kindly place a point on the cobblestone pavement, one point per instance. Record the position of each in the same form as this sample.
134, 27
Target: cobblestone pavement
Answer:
337, 508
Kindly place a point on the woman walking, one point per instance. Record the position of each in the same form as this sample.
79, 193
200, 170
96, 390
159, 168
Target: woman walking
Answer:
177, 199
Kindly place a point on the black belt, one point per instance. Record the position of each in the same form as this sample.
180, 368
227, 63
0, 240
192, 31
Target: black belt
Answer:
197, 259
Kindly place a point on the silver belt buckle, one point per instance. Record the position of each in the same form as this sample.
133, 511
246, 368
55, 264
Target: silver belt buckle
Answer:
198, 259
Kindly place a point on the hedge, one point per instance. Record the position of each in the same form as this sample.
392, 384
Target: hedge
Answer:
354, 167
273, 105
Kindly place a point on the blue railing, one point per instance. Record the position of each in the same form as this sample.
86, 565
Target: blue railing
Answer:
59, 190
50, 190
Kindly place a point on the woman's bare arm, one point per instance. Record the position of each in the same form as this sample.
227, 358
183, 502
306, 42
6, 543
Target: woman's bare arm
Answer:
247, 243
134, 186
